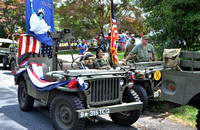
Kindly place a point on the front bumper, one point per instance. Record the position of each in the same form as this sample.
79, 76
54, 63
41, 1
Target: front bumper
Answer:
82, 113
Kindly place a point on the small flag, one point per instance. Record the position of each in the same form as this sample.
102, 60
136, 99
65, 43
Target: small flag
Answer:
132, 77
142, 35
81, 84
72, 84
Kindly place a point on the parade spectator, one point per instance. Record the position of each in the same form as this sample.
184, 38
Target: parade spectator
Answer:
123, 40
109, 36
129, 47
108, 41
98, 38
101, 62
82, 47
127, 40
145, 52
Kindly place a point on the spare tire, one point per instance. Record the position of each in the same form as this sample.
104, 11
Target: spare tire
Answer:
23, 57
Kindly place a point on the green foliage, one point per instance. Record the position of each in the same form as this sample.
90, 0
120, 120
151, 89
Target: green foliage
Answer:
12, 17
91, 17
177, 21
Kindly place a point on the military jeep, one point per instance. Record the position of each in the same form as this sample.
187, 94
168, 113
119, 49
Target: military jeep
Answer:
105, 92
181, 84
147, 79
7, 53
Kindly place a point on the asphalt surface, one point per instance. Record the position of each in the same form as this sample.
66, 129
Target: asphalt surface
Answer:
12, 118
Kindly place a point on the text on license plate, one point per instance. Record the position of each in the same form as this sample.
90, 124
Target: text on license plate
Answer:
95, 112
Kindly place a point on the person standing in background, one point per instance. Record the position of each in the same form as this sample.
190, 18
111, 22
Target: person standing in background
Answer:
123, 40
129, 47
127, 40
82, 47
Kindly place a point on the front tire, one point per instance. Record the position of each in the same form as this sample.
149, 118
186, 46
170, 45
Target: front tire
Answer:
25, 101
129, 117
142, 94
63, 112
198, 121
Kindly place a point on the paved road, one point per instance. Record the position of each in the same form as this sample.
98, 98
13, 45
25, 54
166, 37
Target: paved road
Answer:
12, 118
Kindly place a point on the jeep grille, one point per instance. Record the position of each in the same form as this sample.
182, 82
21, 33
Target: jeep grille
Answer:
104, 91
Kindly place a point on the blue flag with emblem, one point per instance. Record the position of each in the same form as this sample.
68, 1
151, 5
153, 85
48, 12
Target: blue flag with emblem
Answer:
40, 19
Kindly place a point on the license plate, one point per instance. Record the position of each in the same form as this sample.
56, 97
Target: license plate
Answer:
96, 112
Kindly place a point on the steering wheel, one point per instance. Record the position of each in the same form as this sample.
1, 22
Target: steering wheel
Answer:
80, 64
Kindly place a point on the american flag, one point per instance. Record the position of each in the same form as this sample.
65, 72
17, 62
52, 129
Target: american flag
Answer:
28, 44
114, 35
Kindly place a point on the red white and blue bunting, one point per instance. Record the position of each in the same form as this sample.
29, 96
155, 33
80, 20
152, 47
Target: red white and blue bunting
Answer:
43, 86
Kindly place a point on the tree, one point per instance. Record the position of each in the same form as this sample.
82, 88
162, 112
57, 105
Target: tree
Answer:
176, 21
12, 17
89, 17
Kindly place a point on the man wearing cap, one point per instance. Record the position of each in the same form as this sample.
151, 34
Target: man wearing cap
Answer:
145, 52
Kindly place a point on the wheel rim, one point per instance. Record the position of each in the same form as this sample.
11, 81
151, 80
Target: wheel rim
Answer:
64, 115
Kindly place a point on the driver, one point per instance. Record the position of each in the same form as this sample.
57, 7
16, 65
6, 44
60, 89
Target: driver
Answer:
101, 62
145, 52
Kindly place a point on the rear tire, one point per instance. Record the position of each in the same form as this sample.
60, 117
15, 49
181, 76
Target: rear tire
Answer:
63, 112
142, 94
4, 62
25, 101
12, 66
129, 117
198, 120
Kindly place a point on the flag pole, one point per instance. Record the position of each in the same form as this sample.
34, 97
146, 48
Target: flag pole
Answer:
111, 23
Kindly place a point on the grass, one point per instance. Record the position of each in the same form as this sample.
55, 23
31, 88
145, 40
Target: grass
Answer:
185, 115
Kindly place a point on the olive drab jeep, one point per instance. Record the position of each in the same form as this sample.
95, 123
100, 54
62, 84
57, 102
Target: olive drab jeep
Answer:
180, 79
7, 53
100, 92
147, 79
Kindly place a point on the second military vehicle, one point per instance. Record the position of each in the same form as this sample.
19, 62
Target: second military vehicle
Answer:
7, 53
147, 79
180, 79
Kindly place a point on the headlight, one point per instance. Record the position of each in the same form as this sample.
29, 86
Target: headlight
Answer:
122, 82
86, 85
149, 75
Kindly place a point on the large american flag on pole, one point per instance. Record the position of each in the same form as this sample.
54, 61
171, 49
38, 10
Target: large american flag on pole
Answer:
114, 35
